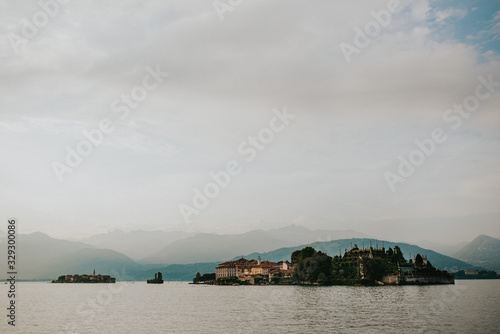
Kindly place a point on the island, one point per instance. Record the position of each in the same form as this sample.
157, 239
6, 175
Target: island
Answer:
85, 278
208, 278
476, 274
157, 280
358, 266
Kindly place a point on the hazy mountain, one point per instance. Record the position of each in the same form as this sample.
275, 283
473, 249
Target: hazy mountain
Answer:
135, 244
42, 257
214, 247
332, 248
45, 258
300, 235
444, 249
483, 251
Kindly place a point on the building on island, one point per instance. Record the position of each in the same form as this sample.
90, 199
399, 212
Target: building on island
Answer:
417, 271
249, 270
85, 278
358, 266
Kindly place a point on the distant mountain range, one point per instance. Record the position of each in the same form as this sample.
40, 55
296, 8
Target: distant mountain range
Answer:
41, 257
484, 251
444, 249
335, 247
144, 242
214, 247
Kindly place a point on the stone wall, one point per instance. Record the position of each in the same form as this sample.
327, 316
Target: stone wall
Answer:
391, 279
417, 279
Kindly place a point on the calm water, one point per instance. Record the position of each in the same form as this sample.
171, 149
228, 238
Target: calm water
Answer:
466, 307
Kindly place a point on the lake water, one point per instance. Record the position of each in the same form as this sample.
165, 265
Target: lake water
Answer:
467, 307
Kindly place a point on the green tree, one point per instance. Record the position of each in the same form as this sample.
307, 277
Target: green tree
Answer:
312, 266
418, 260
207, 277
322, 279
302, 254
197, 279
376, 268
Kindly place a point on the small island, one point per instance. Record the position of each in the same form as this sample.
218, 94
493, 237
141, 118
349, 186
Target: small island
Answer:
476, 274
208, 278
157, 280
359, 266
85, 278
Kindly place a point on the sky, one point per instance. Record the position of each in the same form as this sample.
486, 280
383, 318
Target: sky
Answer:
377, 116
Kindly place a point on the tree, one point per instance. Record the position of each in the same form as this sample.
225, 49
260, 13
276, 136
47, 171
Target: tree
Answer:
302, 254
418, 260
295, 257
376, 268
197, 279
322, 279
313, 266
207, 277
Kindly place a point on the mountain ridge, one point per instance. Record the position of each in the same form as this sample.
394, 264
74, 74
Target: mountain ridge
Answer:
45, 258
225, 246
335, 247
483, 251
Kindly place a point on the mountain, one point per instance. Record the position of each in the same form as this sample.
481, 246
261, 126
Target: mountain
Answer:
300, 235
135, 244
213, 247
333, 248
444, 249
483, 251
41, 257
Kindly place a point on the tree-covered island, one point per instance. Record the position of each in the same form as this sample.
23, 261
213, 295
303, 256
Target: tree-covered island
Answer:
365, 266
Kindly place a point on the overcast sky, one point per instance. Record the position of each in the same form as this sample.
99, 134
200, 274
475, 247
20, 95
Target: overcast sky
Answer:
231, 70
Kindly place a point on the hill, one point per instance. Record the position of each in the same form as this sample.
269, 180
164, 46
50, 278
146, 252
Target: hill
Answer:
44, 258
333, 248
445, 249
135, 244
483, 251
214, 247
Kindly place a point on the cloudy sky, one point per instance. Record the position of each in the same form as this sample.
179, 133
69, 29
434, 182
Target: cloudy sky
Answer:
358, 94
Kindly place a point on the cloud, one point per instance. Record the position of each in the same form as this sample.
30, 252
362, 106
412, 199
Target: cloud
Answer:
420, 10
353, 120
450, 13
